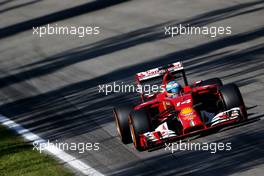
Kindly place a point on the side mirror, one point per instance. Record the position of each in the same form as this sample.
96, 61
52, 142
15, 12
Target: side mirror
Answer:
197, 82
187, 89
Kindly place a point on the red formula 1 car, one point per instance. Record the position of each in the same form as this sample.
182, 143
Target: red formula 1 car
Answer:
162, 118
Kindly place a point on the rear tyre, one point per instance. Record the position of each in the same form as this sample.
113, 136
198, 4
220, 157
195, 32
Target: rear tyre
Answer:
139, 124
232, 98
121, 114
211, 81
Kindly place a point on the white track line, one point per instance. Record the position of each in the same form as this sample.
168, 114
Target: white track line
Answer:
51, 149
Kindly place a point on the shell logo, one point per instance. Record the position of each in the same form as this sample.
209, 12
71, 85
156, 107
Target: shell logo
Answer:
186, 111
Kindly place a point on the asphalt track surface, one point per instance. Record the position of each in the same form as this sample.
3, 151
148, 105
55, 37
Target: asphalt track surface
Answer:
50, 85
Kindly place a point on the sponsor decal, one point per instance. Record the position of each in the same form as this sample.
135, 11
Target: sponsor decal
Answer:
157, 71
189, 117
186, 111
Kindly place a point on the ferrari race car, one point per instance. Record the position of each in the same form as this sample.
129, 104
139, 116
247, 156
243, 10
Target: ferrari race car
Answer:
165, 116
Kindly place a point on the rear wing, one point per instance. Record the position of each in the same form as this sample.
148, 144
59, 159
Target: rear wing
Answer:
155, 76
159, 71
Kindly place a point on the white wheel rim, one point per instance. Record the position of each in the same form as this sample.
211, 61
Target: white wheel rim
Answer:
132, 134
117, 125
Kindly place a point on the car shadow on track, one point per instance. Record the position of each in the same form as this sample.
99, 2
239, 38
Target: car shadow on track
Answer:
246, 153
219, 130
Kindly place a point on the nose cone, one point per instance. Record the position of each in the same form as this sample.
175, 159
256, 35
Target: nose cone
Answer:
190, 120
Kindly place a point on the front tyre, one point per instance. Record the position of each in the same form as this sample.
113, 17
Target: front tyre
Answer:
232, 98
139, 124
121, 114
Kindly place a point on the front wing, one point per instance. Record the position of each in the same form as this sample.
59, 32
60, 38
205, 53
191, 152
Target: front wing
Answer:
163, 134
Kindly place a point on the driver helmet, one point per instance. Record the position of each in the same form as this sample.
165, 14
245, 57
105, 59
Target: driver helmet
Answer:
173, 87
